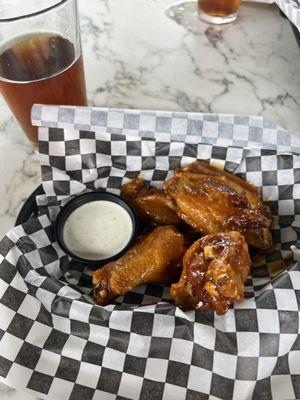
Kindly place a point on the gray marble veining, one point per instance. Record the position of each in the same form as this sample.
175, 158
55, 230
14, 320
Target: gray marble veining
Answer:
136, 56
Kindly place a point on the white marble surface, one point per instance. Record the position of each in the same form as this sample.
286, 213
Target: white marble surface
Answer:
137, 57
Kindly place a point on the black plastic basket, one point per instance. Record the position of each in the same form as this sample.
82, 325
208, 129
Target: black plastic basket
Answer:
29, 208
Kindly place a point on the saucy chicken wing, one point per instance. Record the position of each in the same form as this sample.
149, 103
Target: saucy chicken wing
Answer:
214, 271
154, 258
233, 181
151, 204
211, 201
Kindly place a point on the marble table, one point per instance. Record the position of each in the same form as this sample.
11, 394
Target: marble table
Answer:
138, 57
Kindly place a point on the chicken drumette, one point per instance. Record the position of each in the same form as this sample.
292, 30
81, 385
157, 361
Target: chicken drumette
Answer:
152, 205
211, 201
154, 258
214, 270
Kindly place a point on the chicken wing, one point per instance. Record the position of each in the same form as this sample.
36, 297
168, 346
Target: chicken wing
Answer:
233, 181
152, 205
214, 201
214, 271
154, 258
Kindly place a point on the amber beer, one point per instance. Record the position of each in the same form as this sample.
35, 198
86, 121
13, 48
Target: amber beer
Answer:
40, 68
219, 9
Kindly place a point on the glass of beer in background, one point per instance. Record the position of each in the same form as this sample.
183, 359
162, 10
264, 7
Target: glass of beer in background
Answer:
40, 57
218, 11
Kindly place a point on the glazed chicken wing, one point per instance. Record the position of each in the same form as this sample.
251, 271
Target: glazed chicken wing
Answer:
214, 270
233, 181
154, 258
211, 201
151, 204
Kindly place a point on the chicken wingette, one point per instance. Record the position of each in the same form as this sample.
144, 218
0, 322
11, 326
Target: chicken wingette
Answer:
211, 201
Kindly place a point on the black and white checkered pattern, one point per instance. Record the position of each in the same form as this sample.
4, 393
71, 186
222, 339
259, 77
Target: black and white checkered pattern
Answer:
56, 344
291, 9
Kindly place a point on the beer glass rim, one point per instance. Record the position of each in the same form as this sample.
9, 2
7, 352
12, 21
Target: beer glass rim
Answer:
33, 14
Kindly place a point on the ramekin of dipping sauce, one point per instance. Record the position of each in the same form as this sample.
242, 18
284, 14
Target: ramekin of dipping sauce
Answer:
96, 228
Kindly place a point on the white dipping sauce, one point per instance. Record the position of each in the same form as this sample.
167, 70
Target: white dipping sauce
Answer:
97, 230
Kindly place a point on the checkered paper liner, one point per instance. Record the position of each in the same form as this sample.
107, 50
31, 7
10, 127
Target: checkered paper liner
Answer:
291, 8
56, 344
